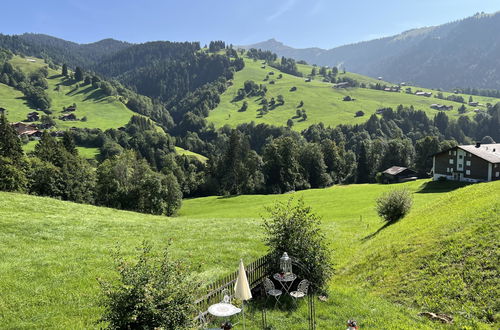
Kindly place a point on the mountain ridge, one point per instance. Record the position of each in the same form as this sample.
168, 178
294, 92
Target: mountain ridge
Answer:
454, 54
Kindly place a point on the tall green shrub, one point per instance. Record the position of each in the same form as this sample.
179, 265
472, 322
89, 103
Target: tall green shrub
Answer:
152, 293
293, 228
394, 205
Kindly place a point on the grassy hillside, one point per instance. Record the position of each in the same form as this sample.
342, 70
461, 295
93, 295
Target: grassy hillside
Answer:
87, 153
189, 153
443, 257
53, 251
100, 110
322, 102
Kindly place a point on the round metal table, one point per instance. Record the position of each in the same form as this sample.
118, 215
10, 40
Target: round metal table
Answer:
223, 310
286, 280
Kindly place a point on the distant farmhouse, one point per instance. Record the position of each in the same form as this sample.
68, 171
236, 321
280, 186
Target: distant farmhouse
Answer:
427, 94
68, 117
396, 174
442, 107
33, 116
341, 85
29, 130
392, 89
468, 163
69, 109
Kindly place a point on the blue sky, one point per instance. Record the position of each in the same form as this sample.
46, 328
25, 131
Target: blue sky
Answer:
298, 23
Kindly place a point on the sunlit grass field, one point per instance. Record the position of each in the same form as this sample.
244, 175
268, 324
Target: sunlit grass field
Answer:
321, 102
53, 251
101, 111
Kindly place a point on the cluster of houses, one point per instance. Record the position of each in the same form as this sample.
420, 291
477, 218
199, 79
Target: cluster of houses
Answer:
30, 131
33, 131
465, 163
442, 107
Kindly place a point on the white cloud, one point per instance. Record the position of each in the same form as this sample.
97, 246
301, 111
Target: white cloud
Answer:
283, 9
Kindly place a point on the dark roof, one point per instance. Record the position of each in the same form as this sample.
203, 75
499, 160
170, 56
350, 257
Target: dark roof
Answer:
395, 170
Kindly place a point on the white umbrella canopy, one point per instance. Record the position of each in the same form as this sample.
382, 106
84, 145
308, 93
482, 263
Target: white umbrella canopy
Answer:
242, 288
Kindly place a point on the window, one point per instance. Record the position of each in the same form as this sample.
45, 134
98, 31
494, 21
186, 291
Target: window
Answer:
449, 152
460, 156
467, 162
460, 165
451, 160
448, 170
468, 154
497, 174
454, 153
467, 172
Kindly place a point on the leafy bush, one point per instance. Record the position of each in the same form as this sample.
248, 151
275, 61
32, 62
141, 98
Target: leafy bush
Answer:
394, 205
294, 229
154, 293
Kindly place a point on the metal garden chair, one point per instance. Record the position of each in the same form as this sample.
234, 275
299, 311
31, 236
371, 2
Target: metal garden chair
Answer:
301, 291
202, 318
271, 290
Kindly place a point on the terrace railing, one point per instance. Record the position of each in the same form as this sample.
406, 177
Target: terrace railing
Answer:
256, 272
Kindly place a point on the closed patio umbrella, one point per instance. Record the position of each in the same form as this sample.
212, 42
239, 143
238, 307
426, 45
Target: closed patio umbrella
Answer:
242, 288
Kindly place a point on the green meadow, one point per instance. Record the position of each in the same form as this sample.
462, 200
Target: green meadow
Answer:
321, 102
53, 252
100, 111
189, 153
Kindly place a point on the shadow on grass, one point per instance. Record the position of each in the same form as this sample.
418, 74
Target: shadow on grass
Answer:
433, 187
387, 224
85, 90
227, 196
95, 95
67, 82
54, 76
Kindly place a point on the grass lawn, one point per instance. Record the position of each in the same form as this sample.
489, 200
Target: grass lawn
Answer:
322, 102
100, 110
53, 251
87, 153
182, 151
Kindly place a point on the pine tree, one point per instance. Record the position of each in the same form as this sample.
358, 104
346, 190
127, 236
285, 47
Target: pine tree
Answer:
10, 144
78, 74
64, 70
363, 168
69, 143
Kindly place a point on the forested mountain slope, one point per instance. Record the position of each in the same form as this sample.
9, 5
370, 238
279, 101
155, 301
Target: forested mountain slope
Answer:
463, 53
59, 50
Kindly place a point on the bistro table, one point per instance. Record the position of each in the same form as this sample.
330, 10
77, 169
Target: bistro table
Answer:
223, 310
286, 280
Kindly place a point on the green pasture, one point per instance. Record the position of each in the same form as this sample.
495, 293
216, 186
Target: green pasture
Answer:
87, 153
322, 102
53, 251
188, 153
101, 111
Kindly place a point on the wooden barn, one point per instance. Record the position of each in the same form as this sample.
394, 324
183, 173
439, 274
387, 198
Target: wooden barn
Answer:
397, 174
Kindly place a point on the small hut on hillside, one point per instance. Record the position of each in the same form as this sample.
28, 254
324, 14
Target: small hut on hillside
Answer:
397, 174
